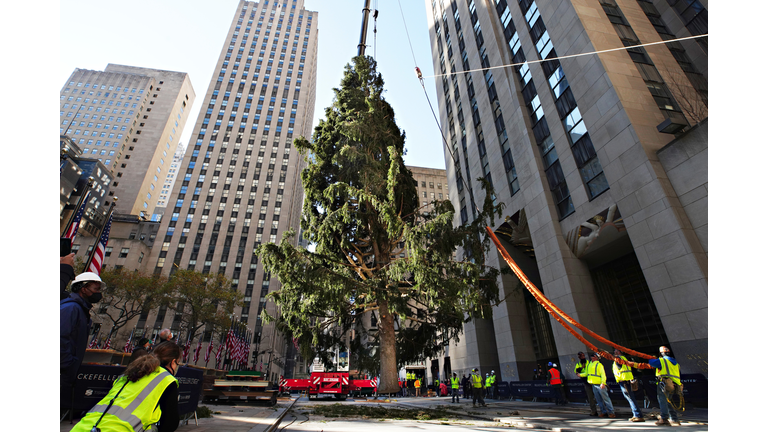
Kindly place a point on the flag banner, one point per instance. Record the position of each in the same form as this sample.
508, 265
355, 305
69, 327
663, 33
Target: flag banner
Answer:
186, 351
101, 249
72, 231
108, 344
197, 351
208, 352
218, 356
127, 347
95, 341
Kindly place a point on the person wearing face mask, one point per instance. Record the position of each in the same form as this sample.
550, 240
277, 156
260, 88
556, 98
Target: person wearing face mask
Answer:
145, 397
75, 324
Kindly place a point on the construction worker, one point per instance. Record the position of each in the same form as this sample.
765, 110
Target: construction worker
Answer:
466, 386
494, 393
623, 375
487, 385
417, 385
454, 388
477, 388
409, 382
556, 381
437, 386
667, 369
581, 370
596, 378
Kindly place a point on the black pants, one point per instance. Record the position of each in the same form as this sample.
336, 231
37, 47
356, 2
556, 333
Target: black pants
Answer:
590, 396
477, 396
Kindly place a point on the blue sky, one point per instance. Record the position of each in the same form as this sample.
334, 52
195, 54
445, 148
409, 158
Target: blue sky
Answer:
187, 36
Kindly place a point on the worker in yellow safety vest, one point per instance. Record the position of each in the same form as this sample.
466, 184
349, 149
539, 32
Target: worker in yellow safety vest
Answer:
477, 388
144, 397
668, 382
623, 375
454, 388
596, 378
582, 364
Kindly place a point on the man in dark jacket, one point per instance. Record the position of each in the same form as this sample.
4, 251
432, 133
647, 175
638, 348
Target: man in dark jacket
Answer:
75, 324
465, 385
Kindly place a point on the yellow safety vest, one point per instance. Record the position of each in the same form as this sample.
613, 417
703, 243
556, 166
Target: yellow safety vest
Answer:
488, 382
493, 379
583, 372
454, 383
669, 370
623, 373
477, 381
595, 373
135, 409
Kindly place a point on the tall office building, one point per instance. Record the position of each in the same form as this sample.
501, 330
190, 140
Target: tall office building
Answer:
130, 119
600, 161
239, 184
170, 179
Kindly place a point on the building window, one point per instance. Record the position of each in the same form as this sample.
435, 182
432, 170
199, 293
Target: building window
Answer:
123, 252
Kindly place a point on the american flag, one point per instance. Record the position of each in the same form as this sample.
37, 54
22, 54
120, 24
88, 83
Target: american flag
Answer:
208, 352
197, 351
72, 231
101, 247
218, 356
108, 344
186, 351
94, 342
127, 347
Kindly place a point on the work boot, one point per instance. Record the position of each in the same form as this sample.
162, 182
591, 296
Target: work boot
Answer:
637, 419
594, 414
663, 423
675, 423
602, 415
611, 415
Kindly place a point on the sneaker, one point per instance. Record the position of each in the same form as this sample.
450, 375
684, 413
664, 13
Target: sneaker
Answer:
663, 423
637, 419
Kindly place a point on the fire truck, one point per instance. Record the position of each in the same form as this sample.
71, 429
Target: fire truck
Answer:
322, 383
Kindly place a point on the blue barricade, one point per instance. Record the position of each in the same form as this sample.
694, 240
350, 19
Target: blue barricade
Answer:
503, 388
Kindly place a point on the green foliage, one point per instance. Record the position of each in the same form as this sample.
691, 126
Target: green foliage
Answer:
129, 293
203, 300
361, 211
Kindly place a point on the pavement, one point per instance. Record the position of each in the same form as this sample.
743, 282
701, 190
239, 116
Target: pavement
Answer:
249, 417
573, 417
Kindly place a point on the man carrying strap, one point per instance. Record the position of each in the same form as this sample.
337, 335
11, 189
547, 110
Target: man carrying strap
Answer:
581, 370
668, 377
623, 374
477, 388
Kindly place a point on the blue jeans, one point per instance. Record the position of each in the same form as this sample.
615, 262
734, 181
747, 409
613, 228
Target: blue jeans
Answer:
666, 408
629, 395
454, 394
602, 399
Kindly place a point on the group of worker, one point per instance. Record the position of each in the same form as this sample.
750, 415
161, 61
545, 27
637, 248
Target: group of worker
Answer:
592, 374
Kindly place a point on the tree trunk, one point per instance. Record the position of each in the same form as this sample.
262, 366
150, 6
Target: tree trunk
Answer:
387, 352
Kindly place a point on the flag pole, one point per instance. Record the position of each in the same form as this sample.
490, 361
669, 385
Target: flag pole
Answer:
89, 185
101, 232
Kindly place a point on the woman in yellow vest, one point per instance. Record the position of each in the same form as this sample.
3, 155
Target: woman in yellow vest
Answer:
147, 393
623, 375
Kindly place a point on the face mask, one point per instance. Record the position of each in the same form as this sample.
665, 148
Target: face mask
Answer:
94, 298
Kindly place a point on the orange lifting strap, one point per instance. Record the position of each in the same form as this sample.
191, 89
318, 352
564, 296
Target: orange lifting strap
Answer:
555, 311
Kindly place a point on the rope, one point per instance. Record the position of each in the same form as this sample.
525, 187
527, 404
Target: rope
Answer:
571, 55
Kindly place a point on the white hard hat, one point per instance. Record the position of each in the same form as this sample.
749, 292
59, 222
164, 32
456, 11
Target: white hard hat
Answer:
85, 277
554, 364
493, 371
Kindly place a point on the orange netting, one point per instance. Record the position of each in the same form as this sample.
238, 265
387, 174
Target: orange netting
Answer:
562, 317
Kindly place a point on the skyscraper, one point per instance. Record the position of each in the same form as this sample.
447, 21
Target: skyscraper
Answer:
577, 147
239, 183
130, 118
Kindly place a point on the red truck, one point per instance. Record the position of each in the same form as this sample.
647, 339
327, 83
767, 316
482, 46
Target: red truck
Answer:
336, 384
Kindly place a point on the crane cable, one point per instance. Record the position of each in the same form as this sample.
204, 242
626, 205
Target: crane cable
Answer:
550, 307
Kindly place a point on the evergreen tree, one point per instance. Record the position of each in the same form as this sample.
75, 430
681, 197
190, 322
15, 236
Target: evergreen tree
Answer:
361, 211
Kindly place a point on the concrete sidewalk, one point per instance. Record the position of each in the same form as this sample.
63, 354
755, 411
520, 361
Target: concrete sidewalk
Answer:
232, 418
544, 415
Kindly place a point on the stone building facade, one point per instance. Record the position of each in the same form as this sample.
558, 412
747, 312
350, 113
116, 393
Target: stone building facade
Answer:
599, 212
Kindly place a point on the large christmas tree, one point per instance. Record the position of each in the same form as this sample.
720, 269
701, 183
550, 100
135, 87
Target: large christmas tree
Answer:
361, 211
